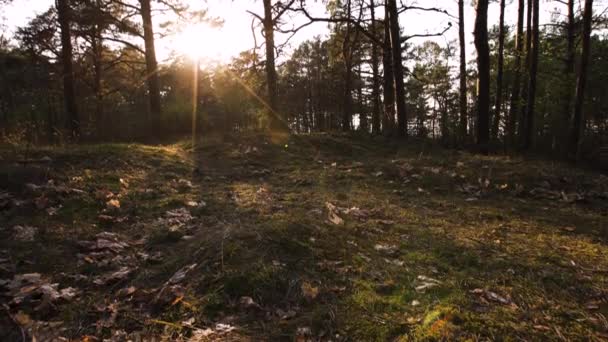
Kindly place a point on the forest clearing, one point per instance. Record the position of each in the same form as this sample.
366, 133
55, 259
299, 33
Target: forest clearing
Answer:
321, 237
303, 170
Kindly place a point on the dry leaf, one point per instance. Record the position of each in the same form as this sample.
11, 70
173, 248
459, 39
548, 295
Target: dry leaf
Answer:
113, 204
308, 291
180, 275
115, 276
332, 215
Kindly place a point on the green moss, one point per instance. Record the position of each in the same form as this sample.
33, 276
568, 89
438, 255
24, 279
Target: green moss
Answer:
545, 256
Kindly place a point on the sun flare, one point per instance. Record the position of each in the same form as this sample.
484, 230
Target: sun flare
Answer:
200, 42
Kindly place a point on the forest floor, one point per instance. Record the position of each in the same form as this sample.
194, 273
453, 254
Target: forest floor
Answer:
322, 237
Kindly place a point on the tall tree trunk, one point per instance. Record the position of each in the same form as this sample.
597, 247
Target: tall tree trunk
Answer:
97, 43
271, 73
578, 117
363, 120
529, 124
499, 76
97, 70
347, 111
69, 96
151, 67
516, 94
50, 122
463, 71
483, 83
97, 47
320, 119
348, 107
562, 123
375, 77
395, 38
388, 120
525, 93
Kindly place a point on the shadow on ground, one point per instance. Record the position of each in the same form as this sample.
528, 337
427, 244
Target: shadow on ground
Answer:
325, 237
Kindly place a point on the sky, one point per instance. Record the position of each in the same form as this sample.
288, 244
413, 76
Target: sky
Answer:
220, 44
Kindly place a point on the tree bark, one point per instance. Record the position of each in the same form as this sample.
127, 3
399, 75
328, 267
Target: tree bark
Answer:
578, 117
395, 38
516, 94
320, 113
388, 119
151, 67
500, 72
363, 120
375, 77
271, 72
69, 96
525, 93
348, 74
483, 82
97, 47
529, 124
562, 124
463, 72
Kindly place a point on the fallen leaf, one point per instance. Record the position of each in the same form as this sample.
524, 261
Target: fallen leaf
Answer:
492, 296
127, 291
114, 276
426, 283
113, 204
246, 302
542, 327
303, 334
388, 249
285, 315
189, 322
332, 215
180, 275
22, 319
308, 291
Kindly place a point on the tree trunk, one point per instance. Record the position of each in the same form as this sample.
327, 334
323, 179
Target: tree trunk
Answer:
578, 117
525, 93
151, 67
529, 124
97, 47
562, 123
395, 38
97, 42
363, 120
347, 111
50, 122
463, 71
97, 69
483, 83
320, 119
276, 123
516, 94
375, 78
69, 96
499, 76
388, 119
